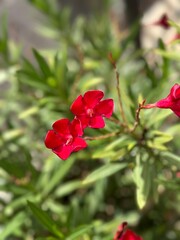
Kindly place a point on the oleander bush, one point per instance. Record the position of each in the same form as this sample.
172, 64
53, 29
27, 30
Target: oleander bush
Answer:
130, 167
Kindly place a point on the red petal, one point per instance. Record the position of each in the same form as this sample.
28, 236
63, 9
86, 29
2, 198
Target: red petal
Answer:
123, 234
77, 107
122, 227
105, 108
52, 140
76, 128
96, 122
164, 103
84, 120
163, 21
120, 231
130, 235
64, 151
175, 91
177, 112
62, 126
92, 98
79, 144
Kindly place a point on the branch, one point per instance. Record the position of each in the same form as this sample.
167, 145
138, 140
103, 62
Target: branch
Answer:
116, 121
102, 136
118, 89
137, 118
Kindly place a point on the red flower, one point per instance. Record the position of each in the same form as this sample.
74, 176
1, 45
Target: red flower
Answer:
65, 138
90, 110
163, 22
125, 234
172, 101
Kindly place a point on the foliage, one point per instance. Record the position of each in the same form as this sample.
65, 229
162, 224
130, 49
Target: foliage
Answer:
130, 176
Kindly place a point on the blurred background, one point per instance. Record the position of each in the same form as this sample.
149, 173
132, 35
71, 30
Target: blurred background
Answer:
23, 19
50, 52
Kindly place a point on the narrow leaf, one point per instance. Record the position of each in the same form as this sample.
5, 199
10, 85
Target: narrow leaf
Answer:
12, 225
42, 64
104, 171
58, 175
171, 157
79, 232
45, 220
142, 178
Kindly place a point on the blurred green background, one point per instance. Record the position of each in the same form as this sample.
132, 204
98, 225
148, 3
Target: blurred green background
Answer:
132, 177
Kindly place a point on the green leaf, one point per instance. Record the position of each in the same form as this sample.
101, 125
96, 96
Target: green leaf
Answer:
173, 55
32, 80
104, 171
12, 134
67, 188
104, 154
118, 143
158, 117
90, 64
59, 173
13, 169
28, 66
159, 139
13, 225
91, 83
60, 71
116, 149
60, 66
28, 112
142, 178
45, 220
175, 25
79, 232
4, 38
165, 63
174, 129
139, 186
151, 74
171, 157
47, 238
163, 139
46, 71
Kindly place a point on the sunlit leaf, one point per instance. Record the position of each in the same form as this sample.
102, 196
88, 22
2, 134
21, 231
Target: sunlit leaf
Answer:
142, 178
13, 225
79, 232
104, 171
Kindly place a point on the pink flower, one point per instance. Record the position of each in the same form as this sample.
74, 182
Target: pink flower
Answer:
178, 174
163, 22
65, 138
125, 234
174, 38
172, 101
90, 109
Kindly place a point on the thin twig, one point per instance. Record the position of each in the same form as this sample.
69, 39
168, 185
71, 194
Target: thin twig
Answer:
118, 89
116, 121
137, 118
102, 136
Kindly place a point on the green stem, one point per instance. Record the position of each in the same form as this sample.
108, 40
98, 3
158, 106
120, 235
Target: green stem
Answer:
102, 136
118, 90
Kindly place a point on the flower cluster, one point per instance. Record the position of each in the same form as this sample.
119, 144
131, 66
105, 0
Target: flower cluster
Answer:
88, 110
172, 101
123, 233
